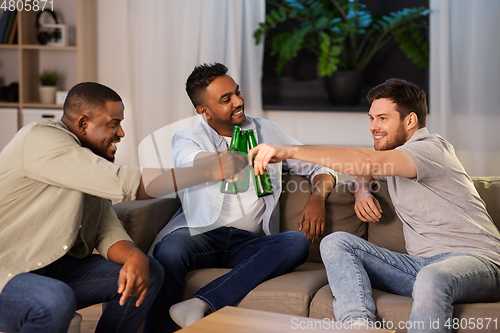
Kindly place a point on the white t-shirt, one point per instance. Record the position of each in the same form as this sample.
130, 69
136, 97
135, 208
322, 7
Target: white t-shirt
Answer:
243, 210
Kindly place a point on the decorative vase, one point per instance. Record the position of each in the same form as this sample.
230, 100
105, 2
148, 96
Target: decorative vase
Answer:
344, 87
47, 94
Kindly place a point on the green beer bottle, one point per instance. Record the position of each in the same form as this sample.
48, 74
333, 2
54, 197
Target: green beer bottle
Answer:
263, 184
238, 143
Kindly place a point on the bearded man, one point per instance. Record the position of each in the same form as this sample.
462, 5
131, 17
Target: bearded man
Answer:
453, 246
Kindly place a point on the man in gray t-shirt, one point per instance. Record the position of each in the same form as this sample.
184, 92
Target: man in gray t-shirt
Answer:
453, 246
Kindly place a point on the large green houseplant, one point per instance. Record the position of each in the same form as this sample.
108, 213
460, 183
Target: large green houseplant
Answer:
343, 34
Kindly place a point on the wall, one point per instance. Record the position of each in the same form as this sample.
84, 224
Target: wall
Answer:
325, 128
112, 68
309, 127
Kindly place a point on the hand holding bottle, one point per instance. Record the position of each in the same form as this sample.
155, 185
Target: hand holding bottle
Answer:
263, 154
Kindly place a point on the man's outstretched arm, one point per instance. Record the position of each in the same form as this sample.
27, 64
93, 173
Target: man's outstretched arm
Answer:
211, 168
352, 161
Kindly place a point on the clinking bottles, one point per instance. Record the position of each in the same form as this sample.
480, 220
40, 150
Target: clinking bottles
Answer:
263, 184
238, 143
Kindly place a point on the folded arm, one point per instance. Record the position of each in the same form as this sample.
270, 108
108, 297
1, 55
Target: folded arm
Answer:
367, 208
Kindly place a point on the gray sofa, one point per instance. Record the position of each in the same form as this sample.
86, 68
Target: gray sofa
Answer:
305, 291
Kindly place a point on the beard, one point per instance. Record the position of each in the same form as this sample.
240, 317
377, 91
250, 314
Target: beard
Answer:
102, 151
392, 141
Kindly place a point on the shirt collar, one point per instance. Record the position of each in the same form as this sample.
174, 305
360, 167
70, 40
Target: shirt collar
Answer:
218, 139
418, 133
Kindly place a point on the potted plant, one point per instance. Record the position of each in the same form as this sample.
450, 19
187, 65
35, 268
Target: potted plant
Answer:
47, 88
345, 37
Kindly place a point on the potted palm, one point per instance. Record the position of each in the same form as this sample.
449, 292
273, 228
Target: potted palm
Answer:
47, 88
345, 37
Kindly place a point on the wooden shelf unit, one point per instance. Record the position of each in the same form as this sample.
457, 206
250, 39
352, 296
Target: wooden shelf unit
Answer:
76, 62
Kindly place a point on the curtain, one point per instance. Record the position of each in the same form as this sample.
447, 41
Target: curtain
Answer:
167, 39
465, 81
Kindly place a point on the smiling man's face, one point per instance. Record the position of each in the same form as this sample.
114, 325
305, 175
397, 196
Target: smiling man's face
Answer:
224, 105
104, 130
386, 125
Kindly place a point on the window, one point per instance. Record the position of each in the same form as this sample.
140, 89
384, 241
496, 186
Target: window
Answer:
300, 88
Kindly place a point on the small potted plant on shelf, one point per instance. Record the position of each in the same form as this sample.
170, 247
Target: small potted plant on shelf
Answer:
47, 88
345, 37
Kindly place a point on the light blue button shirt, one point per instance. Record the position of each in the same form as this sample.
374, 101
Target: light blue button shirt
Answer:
202, 204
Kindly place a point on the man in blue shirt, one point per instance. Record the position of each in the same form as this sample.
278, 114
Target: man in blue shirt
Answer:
244, 233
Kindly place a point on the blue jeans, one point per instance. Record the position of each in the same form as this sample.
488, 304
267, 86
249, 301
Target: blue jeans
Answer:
253, 259
354, 266
45, 300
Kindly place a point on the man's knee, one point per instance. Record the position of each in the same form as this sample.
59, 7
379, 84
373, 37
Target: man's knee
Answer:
169, 252
296, 243
433, 280
336, 242
55, 300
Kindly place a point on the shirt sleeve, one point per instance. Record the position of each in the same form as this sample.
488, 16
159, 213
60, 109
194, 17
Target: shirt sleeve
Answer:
110, 230
54, 157
184, 150
428, 155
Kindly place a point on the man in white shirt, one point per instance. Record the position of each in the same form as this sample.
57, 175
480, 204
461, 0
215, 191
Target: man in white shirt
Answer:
247, 238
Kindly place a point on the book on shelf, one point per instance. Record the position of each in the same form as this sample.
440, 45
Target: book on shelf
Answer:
8, 26
3, 23
13, 32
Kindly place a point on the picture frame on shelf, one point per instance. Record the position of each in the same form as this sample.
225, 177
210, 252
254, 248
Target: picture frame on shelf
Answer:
61, 97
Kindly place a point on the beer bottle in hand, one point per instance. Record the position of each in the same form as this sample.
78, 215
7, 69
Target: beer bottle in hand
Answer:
263, 184
238, 143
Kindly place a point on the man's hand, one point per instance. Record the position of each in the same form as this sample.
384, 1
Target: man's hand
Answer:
267, 154
312, 220
134, 275
313, 217
220, 166
231, 163
134, 279
367, 208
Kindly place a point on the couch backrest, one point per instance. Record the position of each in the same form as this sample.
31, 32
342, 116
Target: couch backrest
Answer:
340, 215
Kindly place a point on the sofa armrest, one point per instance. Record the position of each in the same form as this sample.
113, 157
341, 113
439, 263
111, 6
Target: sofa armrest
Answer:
143, 219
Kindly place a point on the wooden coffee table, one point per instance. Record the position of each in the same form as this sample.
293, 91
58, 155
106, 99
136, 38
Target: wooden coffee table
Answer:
238, 320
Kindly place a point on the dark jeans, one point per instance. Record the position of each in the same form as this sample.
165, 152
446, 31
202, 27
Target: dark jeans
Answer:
45, 300
253, 259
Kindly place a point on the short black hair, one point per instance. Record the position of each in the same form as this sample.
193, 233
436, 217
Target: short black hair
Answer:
407, 96
200, 78
88, 95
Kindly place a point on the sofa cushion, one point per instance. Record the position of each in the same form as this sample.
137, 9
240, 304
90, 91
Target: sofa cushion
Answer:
322, 304
143, 219
339, 208
392, 309
489, 190
395, 311
388, 232
288, 294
